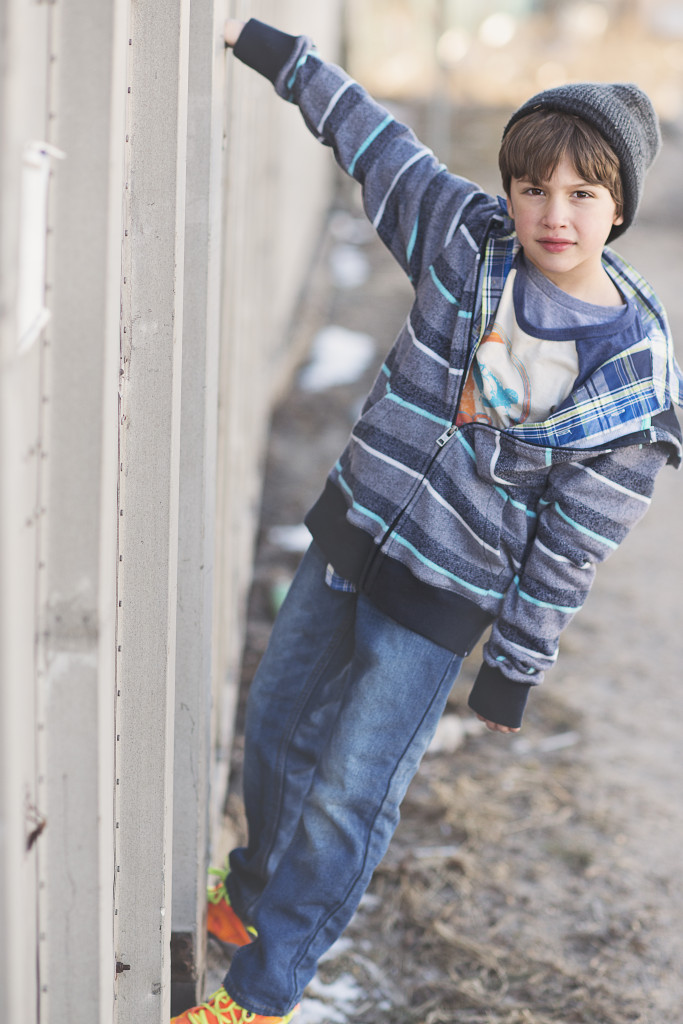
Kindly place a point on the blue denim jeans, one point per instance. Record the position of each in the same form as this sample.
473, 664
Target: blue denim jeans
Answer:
340, 712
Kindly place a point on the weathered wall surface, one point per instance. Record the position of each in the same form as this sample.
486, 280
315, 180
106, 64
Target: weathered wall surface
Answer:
149, 268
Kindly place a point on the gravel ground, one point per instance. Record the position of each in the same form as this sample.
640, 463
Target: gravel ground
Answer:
532, 879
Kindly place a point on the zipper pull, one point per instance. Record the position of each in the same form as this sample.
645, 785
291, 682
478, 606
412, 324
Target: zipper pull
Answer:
446, 436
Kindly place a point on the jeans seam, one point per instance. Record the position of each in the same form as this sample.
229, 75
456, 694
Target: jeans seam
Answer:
341, 903
259, 1007
314, 678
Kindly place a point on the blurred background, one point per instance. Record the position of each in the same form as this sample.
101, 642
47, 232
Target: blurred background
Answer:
453, 56
500, 53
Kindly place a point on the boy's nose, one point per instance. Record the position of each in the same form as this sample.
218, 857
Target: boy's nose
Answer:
555, 213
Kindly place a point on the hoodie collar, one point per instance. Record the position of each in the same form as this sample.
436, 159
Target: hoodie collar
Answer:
600, 413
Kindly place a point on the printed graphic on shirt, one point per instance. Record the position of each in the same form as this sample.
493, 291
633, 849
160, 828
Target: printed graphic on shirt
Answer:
515, 377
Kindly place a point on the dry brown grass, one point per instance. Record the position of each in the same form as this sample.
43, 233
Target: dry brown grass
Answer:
510, 920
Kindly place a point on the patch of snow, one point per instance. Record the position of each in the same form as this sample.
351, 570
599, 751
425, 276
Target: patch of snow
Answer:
338, 356
334, 1002
349, 265
344, 227
290, 538
369, 901
548, 745
340, 947
451, 733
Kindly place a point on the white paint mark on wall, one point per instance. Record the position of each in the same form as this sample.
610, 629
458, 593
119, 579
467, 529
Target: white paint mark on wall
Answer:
32, 314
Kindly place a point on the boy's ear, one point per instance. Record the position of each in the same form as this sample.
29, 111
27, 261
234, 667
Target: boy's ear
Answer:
511, 212
619, 219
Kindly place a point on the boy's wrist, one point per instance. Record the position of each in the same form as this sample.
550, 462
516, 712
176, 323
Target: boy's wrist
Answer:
264, 49
498, 699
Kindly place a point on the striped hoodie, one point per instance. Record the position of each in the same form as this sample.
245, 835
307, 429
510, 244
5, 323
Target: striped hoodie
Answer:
452, 530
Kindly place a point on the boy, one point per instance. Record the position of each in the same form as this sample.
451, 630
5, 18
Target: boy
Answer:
511, 440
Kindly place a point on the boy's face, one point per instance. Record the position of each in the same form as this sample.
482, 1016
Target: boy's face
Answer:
563, 225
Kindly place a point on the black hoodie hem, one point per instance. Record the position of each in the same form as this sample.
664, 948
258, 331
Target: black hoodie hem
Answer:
446, 618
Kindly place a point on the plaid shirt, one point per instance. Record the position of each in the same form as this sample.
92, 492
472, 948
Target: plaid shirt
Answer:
337, 582
629, 389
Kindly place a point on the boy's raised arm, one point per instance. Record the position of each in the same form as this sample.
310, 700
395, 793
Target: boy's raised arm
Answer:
411, 199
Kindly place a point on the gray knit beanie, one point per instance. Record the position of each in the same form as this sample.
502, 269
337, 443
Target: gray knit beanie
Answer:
623, 115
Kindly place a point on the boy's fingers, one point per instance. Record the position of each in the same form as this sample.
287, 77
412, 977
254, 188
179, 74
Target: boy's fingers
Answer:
232, 30
495, 727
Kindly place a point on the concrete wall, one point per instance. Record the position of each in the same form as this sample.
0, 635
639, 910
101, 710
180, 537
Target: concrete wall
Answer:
149, 269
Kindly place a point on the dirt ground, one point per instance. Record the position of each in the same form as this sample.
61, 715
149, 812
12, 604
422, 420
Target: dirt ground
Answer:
537, 878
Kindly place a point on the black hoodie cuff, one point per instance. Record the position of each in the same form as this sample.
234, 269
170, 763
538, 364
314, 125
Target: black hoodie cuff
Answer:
497, 698
264, 48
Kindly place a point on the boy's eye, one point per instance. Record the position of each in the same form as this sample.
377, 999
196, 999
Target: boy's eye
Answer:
533, 190
580, 194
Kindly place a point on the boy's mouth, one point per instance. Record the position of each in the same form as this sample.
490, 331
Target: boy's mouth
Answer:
555, 244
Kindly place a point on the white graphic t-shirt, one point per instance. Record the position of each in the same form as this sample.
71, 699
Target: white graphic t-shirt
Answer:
542, 340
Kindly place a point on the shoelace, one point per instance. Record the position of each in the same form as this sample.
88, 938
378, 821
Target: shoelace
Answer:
222, 1010
218, 892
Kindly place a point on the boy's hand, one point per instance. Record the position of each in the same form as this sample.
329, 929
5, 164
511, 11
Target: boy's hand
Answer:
232, 31
494, 727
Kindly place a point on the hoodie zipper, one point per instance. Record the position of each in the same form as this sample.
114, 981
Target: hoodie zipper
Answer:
440, 441
443, 440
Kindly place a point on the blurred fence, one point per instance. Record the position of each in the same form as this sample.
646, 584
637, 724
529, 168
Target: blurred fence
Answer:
156, 227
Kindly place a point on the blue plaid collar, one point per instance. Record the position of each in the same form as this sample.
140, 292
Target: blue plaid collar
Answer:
624, 394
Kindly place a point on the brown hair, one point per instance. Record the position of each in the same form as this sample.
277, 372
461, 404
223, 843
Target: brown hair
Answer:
534, 146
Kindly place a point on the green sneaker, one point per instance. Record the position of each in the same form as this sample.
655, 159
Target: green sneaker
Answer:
221, 1009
